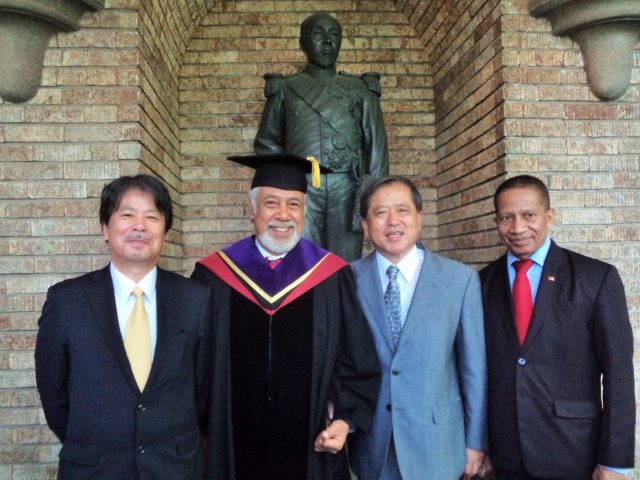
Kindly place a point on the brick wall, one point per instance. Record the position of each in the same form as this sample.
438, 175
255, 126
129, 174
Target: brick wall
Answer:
108, 107
473, 90
56, 153
463, 43
587, 151
165, 29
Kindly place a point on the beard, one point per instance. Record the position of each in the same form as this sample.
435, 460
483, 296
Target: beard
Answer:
277, 246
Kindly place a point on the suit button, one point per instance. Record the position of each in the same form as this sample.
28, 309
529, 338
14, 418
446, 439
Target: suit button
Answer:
521, 361
395, 372
140, 450
388, 407
141, 408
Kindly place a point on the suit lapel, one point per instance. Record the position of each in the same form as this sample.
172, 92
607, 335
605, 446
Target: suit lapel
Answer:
101, 299
170, 327
426, 297
370, 291
551, 282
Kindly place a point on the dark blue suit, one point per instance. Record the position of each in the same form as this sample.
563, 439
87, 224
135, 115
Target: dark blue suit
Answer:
545, 406
108, 428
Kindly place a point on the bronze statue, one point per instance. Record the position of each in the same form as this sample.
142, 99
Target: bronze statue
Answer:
336, 118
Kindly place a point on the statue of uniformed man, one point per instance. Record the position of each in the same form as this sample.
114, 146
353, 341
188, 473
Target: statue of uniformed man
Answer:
336, 118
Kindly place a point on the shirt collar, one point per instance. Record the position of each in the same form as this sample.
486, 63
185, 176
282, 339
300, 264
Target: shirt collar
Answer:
409, 266
538, 257
123, 285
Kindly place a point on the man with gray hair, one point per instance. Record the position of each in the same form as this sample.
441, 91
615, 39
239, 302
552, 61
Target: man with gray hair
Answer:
294, 367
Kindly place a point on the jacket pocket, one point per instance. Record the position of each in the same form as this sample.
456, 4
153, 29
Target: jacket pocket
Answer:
187, 445
576, 408
79, 453
448, 412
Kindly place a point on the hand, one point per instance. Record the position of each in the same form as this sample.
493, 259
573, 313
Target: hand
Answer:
601, 473
486, 469
332, 438
474, 461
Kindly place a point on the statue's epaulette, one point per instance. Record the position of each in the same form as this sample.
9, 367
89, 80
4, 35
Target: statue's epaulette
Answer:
370, 79
274, 83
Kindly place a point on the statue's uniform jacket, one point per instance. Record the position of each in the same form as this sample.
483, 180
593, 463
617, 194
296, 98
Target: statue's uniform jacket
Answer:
335, 117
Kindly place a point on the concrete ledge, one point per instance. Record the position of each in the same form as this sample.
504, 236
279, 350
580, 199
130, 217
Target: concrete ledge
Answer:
607, 33
26, 27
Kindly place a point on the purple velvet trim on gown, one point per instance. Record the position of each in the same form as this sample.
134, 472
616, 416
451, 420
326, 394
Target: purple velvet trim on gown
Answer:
304, 256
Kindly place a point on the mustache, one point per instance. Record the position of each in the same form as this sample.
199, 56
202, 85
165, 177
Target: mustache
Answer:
282, 224
136, 237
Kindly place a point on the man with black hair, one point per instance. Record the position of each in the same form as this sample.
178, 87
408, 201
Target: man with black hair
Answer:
425, 314
559, 350
123, 353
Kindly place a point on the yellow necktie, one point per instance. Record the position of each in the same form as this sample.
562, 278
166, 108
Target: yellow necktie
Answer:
137, 340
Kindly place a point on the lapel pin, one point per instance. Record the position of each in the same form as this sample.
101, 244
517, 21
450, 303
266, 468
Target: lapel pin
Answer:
551, 278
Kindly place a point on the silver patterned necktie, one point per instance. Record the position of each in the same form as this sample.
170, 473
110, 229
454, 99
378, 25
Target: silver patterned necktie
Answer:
392, 304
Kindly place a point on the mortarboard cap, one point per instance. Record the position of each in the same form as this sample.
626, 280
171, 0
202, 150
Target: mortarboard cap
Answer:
285, 171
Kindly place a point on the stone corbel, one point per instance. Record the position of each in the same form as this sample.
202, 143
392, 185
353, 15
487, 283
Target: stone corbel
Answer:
607, 32
26, 26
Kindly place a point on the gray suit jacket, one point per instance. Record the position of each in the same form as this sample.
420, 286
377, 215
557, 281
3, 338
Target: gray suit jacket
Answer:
433, 396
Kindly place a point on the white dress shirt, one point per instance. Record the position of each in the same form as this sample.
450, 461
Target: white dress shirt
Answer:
125, 300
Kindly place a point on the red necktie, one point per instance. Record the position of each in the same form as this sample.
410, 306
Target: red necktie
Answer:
522, 301
273, 263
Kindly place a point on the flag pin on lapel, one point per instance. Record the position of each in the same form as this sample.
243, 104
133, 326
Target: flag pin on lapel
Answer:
551, 278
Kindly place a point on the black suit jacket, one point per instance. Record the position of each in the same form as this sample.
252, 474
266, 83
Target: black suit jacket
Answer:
545, 407
108, 428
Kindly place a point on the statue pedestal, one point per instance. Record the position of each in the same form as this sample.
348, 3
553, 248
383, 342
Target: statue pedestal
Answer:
26, 27
607, 32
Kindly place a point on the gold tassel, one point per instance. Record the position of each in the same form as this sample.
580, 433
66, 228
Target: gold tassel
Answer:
315, 172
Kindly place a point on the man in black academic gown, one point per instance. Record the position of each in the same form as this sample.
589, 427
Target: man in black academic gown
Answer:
295, 368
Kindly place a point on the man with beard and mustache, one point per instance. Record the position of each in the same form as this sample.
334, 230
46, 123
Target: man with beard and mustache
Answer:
294, 365
122, 354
